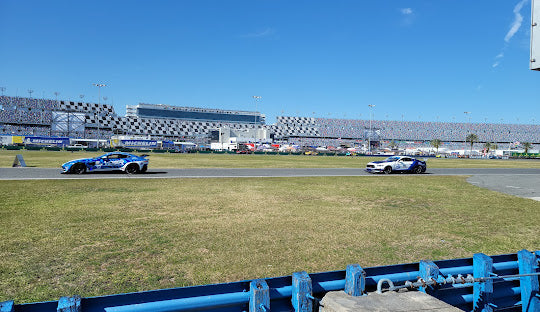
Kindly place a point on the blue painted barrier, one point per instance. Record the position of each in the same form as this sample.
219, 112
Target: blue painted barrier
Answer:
482, 282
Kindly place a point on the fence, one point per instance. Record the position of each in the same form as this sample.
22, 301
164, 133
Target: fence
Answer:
483, 283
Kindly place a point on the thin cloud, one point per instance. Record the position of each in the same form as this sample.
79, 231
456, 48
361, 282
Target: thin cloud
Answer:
268, 32
498, 59
514, 27
516, 23
408, 16
406, 11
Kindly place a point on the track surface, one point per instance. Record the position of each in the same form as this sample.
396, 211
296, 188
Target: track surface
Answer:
501, 180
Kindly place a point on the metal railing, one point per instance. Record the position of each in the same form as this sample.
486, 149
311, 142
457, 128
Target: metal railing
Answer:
480, 283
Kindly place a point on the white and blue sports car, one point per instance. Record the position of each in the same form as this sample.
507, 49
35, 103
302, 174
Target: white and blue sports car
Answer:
397, 164
126, 162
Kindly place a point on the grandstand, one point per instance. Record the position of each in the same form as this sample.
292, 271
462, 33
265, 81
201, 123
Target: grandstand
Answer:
28, 116
186, 123
45, 117
327, 131
194, 114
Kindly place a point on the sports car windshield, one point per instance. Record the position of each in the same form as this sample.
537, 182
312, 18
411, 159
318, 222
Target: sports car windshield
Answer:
393, 158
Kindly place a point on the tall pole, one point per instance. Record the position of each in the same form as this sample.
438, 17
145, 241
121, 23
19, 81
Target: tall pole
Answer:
370, 118
99, 85
30, 91
256, 98
2, 89
468, 114
56, 93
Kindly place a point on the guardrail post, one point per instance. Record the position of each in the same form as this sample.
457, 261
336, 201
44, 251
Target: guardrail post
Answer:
69, 304
528, 263
482, 291
7, 306
259, 297
355, 280
301, 289
428, 270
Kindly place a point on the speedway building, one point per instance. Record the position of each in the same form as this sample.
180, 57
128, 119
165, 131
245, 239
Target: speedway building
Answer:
24, 116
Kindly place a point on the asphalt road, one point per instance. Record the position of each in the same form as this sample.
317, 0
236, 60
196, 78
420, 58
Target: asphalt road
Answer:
518, 182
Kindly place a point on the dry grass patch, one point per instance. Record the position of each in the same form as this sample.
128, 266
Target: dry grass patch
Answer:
92, 237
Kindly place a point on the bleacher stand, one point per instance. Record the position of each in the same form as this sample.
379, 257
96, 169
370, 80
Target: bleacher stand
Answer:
331, 131
30, 116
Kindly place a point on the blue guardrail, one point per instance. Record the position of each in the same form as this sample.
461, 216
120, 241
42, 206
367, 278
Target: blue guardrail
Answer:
506, 282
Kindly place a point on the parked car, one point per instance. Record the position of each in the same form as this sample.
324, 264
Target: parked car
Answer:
397, 164
126, 162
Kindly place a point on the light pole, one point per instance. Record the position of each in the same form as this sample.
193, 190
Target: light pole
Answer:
99, 85
30, 91
468, 115
56, 93
2, 89
370, 118
256, 99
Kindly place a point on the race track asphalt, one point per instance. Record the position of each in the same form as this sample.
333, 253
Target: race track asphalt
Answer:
519, 182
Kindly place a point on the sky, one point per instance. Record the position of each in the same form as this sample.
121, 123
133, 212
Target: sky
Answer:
414, 60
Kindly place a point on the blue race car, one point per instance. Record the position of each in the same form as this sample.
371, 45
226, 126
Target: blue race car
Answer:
126, 162
397, 164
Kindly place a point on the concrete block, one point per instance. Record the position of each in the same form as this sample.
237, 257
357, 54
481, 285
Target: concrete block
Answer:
339, 301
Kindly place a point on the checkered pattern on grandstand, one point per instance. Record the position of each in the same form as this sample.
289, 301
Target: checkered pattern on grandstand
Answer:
404, 130
295, 126
26, 116
83, 107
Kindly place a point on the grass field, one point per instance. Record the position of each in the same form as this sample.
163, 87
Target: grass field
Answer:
53, 159
92, 237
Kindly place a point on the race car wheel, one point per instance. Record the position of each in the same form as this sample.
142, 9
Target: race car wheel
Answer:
132, 168
144, 168
388, 170
418, 170
78, 169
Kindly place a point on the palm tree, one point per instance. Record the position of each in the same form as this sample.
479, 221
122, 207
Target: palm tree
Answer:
487, 147
393, 145
436, 143
526, 146
471, 138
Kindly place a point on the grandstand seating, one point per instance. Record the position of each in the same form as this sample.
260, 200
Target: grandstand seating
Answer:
405, 130
29, 116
